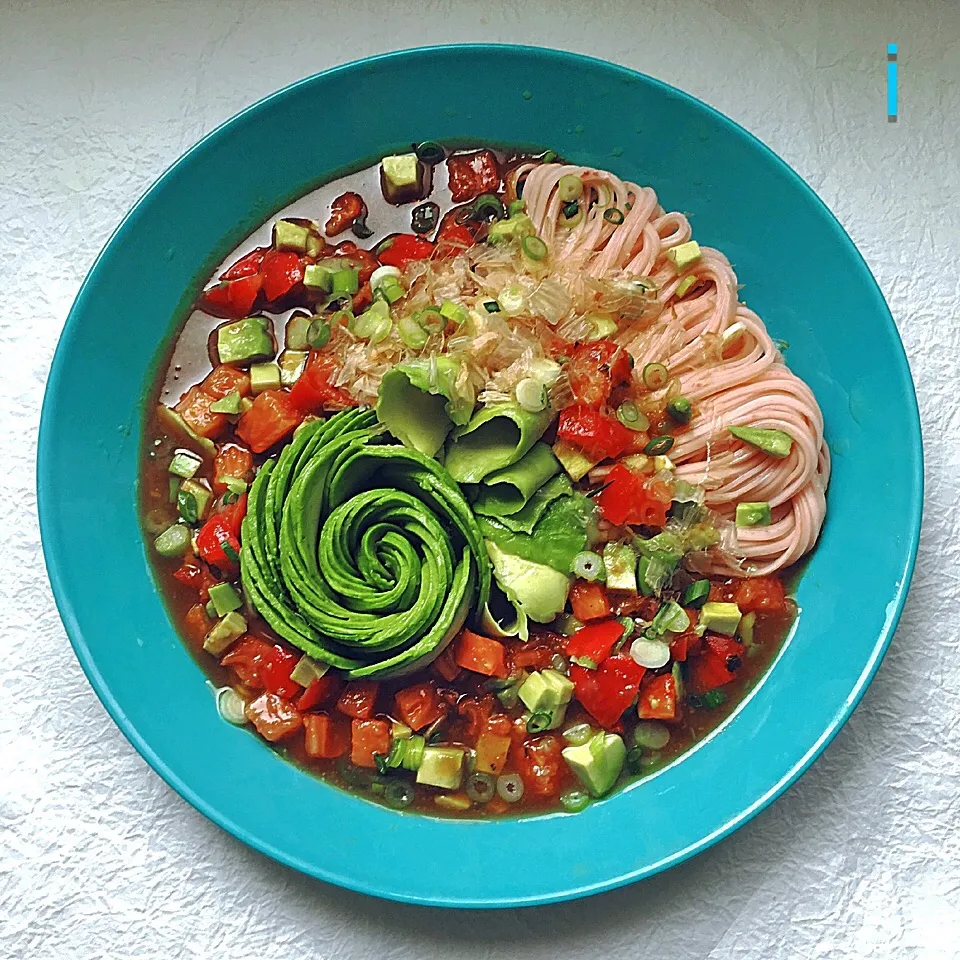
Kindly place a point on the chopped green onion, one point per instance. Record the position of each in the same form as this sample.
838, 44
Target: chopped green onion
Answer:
173, 542
488, 206
578, 734
566, 624
572, 214
569, 188
424, 218
534, 248
230, 553
632, 417
538, 722
432, 319
628, 627
679, 410
187, 506
318, 333
516, 206
613, 215
454, 312
510, 787
651, 654
491, 306
481, 787
511, 299
231, 706
635, 760
696, 594
573, 801
753, 514
374, 324
411, 333
399, 794
345, 281
588, 565
184, 464
397, 750
430, 152
655, 376
781, 345
173, 490
531, 395
658, 445
413, 752
360, 229
549, 156
342, 318
712, 699
670, 617
650, 734
588, 663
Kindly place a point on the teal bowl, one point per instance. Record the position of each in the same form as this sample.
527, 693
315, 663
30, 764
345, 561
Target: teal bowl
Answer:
803, 275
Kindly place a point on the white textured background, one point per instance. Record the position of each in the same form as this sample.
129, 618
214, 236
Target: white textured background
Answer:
99, 859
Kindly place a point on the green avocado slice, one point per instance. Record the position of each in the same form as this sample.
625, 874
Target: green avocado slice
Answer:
496, 437
538, 591
507, 491
363, 554
419, 404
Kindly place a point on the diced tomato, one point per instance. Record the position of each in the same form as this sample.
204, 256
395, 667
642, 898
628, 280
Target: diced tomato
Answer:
480, 654
596, 434
367, 738
723, 646
196, 623
194, 407
232, 299
326, 737
658, 698
193, 573
343, 211
359, 699
452, 239
629, 498
275, 718
224, 380
609, 690
276, 672
594, 641
540, 763
232, 462
492, 751
403, 249
268, 421
446, 666
589, 601
246, 266
760, 595
314, 389
687, 643
716, 665
321, 691
596, 368
247, 658
282, 272
418, 706
362, 298
537, 653
470, 174
218, 540
476, 712
363, 261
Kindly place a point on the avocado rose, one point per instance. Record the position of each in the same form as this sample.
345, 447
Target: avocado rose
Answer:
362, 553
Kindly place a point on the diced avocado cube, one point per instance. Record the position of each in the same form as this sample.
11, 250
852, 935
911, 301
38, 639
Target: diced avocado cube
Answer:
663, 462
753, 514
225, 632
235, 485
685, 285
315, 244
603, 326
597, 762
264, 376
201, 497
546, 690
684, 254
295, 337
244, 340
184, 464
402, 178
317, 276
574, 461
720, 617
307, 670
777, 443
230, 404
441, 767
245, 404
224, 598
513, 228
288, 235
620, 562
291, 366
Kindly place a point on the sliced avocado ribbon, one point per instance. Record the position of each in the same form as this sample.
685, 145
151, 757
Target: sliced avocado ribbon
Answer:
505, 492
496, 437
364, 555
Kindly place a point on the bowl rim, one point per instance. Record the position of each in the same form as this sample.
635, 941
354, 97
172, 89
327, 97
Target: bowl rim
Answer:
55, 561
